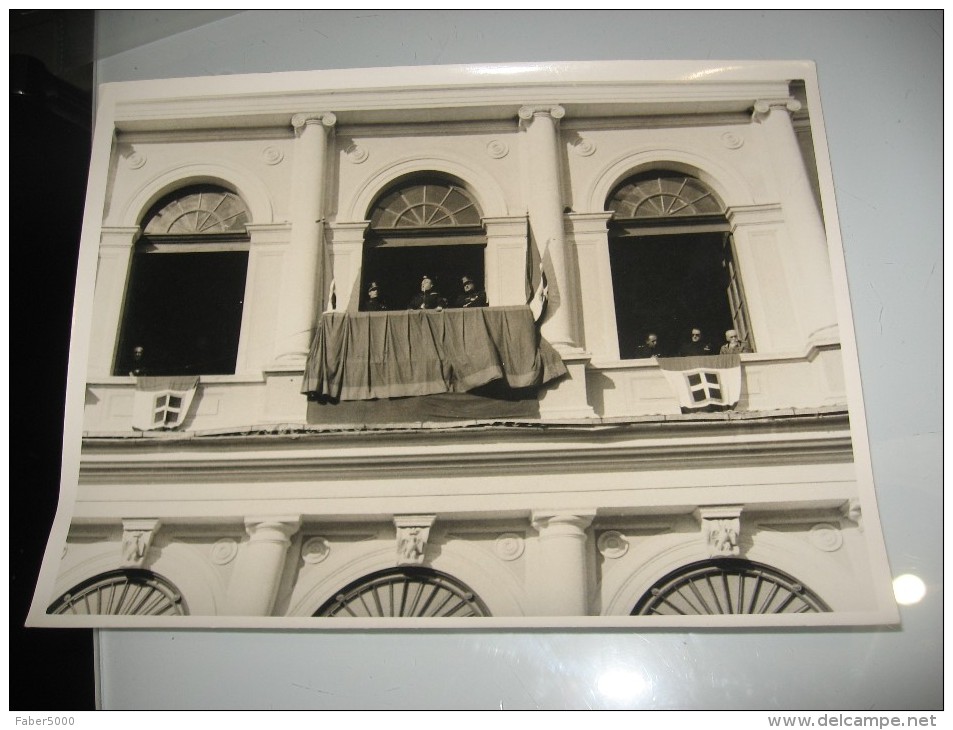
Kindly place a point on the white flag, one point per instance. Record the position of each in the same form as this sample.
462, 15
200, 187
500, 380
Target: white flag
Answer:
704, 381
162, 403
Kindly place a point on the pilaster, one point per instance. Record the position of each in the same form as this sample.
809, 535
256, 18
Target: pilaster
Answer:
562, 562
259, 565
588, 234
346, 244
544, 196
506, 253
112, 273
303, 282
802, 216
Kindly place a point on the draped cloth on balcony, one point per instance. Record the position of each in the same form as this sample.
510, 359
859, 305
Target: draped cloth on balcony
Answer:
369, 355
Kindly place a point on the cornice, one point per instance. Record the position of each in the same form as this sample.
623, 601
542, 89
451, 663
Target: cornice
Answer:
510, 450
214, 106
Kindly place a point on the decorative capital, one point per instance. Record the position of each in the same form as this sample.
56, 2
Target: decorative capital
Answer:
720, 528
553, 111
564, 523
304, 119
413, 532
763, 107
137, 537
272, 529
852, 512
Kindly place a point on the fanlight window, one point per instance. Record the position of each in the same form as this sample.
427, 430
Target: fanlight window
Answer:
405, 592
663, 195
186, 290
198, 211
673, 265
425, 225
429, 204
122, 593
728, 587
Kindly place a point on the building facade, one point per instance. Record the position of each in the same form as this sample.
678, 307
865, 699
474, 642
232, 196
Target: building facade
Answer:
261, 440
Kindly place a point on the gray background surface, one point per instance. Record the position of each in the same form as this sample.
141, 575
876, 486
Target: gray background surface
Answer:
880, 75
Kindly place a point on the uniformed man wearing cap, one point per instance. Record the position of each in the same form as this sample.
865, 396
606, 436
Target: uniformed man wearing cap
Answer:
374, 303
471, 297
428, 298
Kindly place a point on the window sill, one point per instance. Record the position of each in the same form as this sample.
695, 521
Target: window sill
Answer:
754, 358
239, 378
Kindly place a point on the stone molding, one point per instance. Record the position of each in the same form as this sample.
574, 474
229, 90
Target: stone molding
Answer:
721, 529
413, 532
137, 538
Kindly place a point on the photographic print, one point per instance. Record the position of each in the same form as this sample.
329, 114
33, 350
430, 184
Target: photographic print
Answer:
560, 345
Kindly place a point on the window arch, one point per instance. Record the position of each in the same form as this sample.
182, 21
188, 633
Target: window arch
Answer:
402, 593
185, 294
424, 224
673, 265
728, 586
130, 592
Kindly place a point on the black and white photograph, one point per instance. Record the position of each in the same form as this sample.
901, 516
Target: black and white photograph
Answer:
502, 345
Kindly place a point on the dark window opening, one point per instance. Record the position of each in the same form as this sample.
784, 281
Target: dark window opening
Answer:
185, 312
673, 267
398, 270
183, 309
668, 285
427, 225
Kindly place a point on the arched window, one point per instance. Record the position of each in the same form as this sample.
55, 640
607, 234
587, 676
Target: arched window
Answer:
423, 225
122, 593
405, 592
729, 586
183, 307
673, 265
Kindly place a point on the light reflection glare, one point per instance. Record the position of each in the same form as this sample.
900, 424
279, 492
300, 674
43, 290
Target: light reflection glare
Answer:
908, 589
503, 70
622, 685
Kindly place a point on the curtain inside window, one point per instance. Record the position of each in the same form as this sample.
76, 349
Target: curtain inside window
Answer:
369, 355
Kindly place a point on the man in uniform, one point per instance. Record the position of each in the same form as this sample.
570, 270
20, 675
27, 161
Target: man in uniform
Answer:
471, 297
428, 298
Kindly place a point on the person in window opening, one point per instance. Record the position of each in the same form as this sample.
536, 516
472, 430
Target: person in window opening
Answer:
471, 297
138, 368
695, 346
734, 343
428, 298
649, 348
374, 302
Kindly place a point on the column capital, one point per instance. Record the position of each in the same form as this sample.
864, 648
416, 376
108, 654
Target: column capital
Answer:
272, 529
553, 111
763, 107
303, 119
569, 520
118, 236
